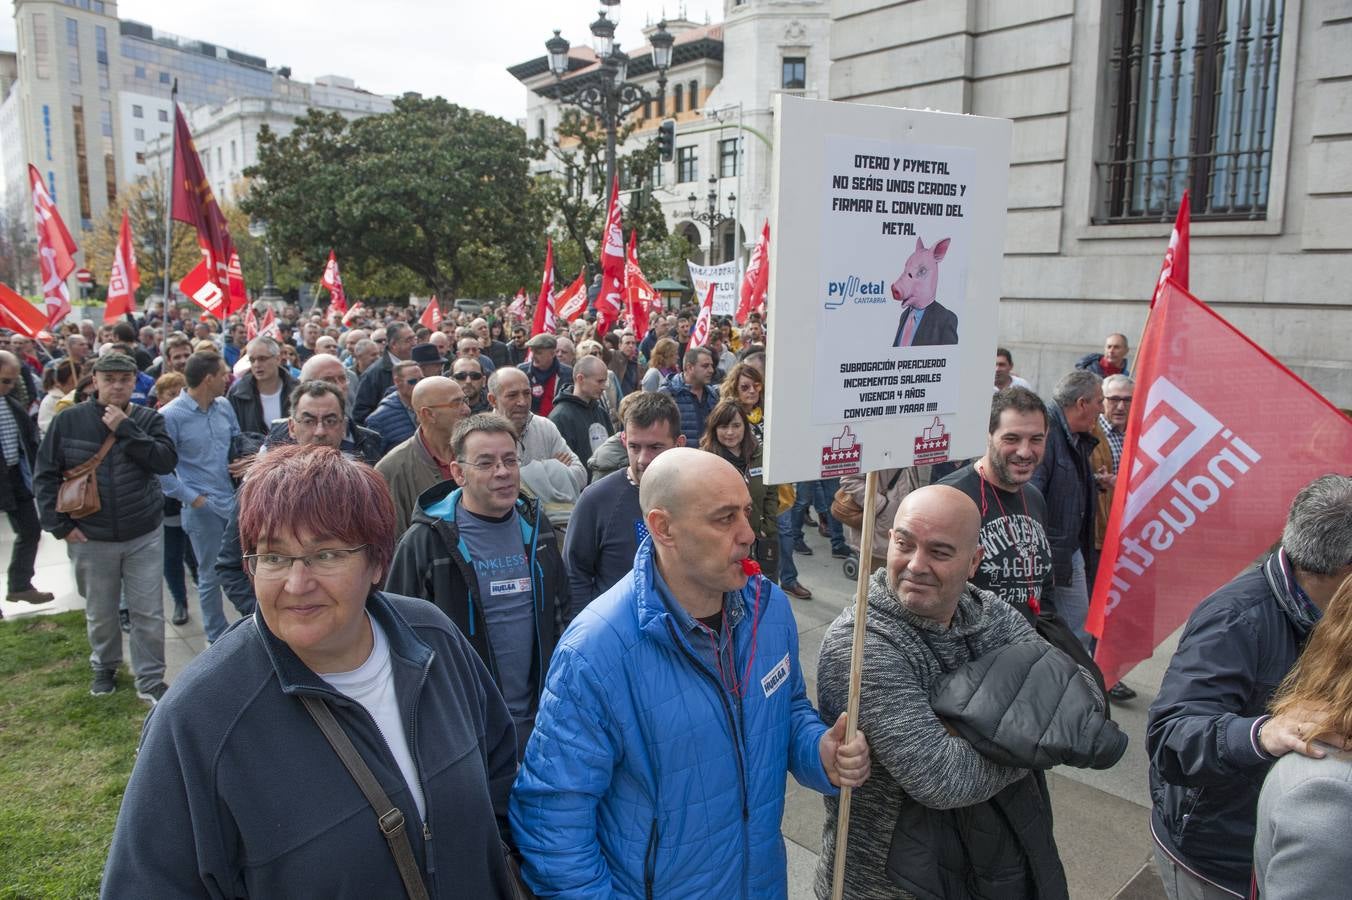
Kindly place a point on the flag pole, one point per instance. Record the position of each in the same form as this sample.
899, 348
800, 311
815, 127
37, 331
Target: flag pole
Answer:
856, 672
169, 204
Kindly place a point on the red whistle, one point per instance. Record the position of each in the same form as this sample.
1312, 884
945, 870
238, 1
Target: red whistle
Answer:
750, 567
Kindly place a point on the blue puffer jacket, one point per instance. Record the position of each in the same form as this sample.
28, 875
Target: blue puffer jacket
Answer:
645, 776
393, 421
693, 410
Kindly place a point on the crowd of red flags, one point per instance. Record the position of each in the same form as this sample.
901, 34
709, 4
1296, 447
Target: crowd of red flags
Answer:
1207, 472
194, 203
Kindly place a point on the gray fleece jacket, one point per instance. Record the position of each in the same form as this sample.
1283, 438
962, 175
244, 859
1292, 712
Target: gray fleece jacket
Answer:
914, 759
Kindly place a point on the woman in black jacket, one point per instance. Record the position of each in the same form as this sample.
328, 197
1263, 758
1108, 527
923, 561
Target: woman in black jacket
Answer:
727, 433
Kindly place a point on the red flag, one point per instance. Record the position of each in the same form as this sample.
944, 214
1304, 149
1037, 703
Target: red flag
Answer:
1175, 263
334, 282
250, 323
239, 297
195, 204
124, 279
431, 315
518, 308
543, 322
1212, 472
571, 303
204, 291
269, 327
20, 315
757, 277
610, 301
699, 335
638, 293
56, 249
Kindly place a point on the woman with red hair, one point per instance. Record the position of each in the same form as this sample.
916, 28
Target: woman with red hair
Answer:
239, 788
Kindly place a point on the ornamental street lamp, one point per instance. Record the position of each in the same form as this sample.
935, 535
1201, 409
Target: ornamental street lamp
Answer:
269, 295
608, 95
712, 217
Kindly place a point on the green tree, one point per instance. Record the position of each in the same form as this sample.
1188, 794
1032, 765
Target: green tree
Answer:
144, 202
441, 192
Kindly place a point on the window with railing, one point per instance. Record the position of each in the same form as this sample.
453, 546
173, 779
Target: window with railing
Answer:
1192, 95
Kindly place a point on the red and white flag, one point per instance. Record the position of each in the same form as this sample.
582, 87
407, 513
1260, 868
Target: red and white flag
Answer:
431, 315
356, 310
639, 295
757, 277
1175, 263
269, 327
699, 335
334, 282
19, 315
250, 322
1206, 476
193, 202
518, 308
544, 321
56, 249
203, 290
124, 279
234, 283
610, 301
573, 301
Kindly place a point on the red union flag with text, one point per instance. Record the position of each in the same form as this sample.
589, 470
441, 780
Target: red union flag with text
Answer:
573, 301
699, 335
639, 295
194, 203
1220, 438
757, 277
334, 282
431, 314
543, 323
56, 249
610, 301
124, 279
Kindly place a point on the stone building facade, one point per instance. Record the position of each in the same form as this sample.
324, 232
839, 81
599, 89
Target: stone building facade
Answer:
1117, 106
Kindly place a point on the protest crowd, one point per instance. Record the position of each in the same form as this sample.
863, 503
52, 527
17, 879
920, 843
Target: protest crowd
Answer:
525, 595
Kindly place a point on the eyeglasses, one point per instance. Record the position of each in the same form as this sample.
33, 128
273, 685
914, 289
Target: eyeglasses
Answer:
468, 376
411, 381
1116, 400
321, 562
377, 340
309, 421
510, 463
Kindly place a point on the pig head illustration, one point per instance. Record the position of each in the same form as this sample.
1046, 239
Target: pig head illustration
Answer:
915, 288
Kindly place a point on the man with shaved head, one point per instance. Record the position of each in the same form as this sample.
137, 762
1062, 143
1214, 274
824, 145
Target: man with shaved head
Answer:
424, 460
924, 619
674, 708
582, 420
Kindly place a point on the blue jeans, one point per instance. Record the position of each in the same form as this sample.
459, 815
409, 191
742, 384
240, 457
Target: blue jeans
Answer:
818, 495
788, 572
175, 543
205, 529
1072, 600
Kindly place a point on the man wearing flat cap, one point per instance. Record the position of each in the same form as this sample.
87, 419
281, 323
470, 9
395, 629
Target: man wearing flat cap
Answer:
547, 375
118, 551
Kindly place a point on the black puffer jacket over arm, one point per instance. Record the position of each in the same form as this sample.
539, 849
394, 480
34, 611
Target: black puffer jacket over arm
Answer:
1029, 706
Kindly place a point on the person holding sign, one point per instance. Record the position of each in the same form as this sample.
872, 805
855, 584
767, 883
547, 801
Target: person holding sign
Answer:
674, 708
937, 810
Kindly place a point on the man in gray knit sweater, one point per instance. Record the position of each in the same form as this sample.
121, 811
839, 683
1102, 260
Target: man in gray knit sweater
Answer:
923, 619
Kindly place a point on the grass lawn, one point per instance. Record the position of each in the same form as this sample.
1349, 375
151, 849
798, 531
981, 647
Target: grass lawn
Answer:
65, 760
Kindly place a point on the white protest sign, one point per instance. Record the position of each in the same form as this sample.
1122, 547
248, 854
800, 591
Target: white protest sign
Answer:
884, 283
726, 285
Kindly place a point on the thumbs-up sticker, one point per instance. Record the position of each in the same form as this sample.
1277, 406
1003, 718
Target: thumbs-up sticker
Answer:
932, 444
843, 456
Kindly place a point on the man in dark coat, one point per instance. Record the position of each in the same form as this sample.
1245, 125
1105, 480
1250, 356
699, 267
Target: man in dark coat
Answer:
378, 378
938, 325
582, 420
1210, 739
264, 392
1065, 477
19, 447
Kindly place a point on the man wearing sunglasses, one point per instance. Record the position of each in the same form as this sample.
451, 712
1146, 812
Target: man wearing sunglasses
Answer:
469, 374
394, 419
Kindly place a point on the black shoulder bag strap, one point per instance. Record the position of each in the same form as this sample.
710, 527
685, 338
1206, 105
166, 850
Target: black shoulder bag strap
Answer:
390, 818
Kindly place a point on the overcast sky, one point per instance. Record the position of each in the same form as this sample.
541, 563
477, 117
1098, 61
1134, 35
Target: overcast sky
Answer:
457, 49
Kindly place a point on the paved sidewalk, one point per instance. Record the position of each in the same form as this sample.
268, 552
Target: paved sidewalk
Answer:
1101, 817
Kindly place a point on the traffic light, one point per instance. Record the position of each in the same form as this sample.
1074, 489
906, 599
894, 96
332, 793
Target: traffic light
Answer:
666, 139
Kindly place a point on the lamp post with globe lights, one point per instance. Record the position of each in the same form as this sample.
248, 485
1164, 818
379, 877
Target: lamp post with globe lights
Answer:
607, 95
712, 217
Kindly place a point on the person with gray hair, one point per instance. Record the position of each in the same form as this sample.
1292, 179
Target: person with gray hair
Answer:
264, 392
1110, 430
1209, 736
1065, 478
